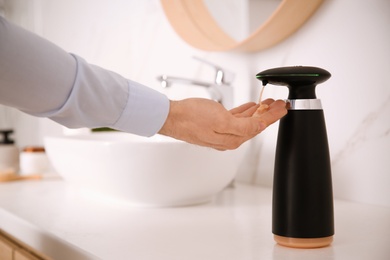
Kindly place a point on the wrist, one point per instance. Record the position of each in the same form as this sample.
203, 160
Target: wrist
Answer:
168, 126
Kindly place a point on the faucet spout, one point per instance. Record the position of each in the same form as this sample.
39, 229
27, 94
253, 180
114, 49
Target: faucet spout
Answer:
215, 93
166, 81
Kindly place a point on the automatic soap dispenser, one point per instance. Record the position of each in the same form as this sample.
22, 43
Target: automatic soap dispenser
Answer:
302, 207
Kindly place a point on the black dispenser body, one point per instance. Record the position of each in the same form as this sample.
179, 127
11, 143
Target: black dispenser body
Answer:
302, 189
302, 194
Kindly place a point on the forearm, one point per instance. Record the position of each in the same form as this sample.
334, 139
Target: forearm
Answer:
31, 69
41, 79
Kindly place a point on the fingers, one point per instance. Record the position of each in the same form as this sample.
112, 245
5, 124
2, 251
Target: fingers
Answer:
232, 131
249, 112
243, 108
241, 124
268, 101
248, 109
263, 107
276, 111
245, 127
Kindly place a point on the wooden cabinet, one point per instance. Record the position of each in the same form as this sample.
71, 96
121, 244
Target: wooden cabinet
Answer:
6, 249
10, 249
21, 254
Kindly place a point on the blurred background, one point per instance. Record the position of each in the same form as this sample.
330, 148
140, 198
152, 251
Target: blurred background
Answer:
349, 38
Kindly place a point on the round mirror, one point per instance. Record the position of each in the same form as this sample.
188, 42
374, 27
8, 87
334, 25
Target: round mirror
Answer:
201, 24
240, 18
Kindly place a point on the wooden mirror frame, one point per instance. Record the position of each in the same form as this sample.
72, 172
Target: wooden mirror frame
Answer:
194, 24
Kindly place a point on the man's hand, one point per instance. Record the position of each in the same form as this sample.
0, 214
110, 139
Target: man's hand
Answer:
207, 123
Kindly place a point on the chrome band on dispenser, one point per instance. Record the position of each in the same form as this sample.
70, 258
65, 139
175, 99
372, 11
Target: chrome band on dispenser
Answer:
304, 104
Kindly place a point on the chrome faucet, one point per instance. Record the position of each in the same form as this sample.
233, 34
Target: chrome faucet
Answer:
219, 90
222, 77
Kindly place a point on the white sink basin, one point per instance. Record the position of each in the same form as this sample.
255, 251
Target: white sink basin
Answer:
157, 171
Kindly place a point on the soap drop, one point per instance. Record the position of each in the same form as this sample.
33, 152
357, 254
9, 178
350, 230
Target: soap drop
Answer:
261, 93
263, 107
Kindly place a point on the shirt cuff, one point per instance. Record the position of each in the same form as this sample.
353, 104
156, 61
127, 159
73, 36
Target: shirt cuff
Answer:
145, 112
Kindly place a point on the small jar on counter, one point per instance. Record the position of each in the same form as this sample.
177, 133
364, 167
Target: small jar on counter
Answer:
33, 160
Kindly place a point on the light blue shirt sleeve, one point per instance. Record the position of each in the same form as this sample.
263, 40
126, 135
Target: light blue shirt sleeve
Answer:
43, 80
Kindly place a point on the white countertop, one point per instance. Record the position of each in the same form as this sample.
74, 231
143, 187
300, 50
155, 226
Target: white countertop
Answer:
66, 223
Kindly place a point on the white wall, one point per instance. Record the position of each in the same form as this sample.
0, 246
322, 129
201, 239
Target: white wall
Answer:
349, 38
